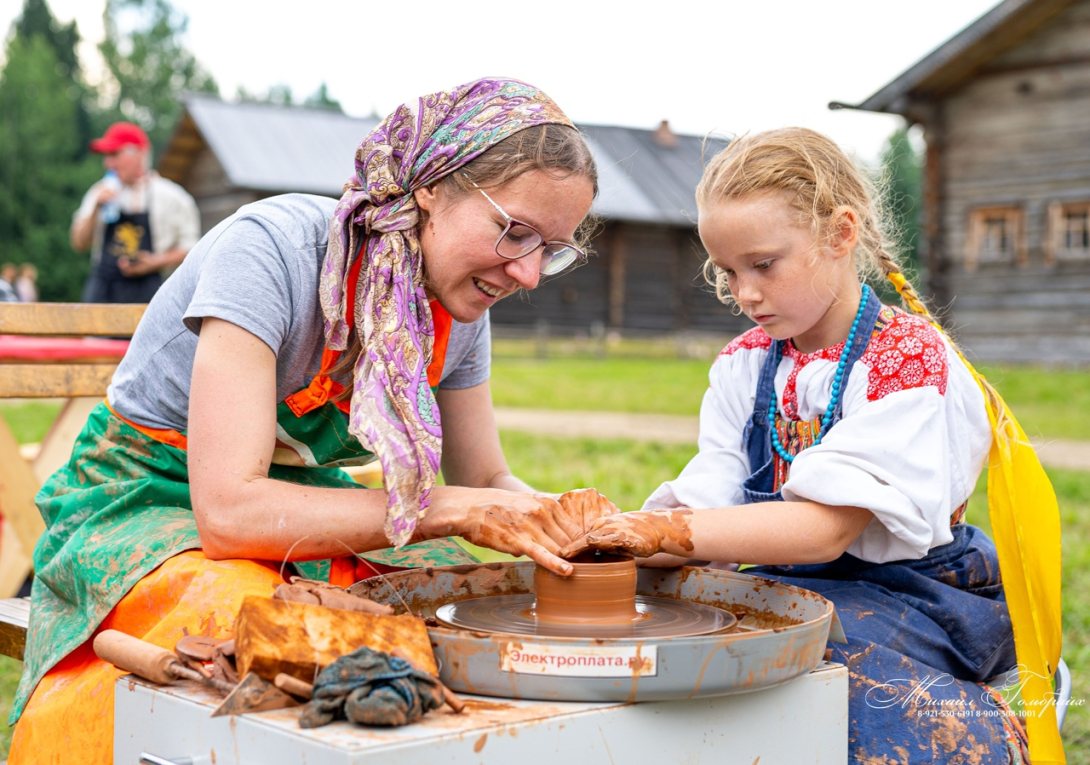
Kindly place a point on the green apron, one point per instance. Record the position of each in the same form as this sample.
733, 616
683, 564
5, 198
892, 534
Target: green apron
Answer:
120, 506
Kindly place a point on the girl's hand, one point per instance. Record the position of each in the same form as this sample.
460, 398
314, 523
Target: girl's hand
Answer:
581, 508
641, 534
519, 523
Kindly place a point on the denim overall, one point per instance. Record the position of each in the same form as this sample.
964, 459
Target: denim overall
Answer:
921, 634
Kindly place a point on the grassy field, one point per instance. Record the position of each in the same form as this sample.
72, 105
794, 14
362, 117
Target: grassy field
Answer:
646, 378
1049, 403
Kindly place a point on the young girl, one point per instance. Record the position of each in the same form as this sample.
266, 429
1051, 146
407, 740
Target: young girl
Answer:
839, 442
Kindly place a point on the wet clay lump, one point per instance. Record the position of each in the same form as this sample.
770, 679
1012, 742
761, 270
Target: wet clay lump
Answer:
600, 590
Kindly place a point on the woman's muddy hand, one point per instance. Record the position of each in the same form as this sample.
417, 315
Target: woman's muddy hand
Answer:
520, 524
641, 534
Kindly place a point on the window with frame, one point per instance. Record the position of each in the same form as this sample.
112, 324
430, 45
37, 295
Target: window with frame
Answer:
996, 235
1068, 231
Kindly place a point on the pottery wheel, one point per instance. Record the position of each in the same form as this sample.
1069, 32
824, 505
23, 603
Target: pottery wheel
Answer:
657, 617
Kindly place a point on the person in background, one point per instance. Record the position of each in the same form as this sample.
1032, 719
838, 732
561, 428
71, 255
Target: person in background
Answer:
7, 284
26, 283
840, 440
137, 224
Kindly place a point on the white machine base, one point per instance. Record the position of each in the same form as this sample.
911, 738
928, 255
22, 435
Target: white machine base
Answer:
804, 720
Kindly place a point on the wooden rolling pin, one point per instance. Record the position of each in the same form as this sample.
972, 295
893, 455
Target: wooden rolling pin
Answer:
293, 685
148, 660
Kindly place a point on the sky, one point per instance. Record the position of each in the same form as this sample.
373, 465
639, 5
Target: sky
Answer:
721, 66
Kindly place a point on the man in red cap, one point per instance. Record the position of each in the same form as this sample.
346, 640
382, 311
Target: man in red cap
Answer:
135, 222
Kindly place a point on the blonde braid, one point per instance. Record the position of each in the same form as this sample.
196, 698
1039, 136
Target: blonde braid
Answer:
909, 297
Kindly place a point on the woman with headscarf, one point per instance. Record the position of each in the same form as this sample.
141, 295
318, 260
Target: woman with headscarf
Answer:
301, 335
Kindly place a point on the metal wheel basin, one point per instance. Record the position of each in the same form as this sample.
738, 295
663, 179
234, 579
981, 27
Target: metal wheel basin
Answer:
781, 633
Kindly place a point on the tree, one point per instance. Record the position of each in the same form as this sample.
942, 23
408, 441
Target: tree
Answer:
37, 20
151, 68
323, 100
40, 181
902, 175
281, 95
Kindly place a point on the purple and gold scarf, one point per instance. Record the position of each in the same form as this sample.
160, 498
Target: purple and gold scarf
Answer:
393, 411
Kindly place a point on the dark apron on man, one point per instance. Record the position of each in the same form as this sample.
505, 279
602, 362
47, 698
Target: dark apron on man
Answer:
922, 635
125, 238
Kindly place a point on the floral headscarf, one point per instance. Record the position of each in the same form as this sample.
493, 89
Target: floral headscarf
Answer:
393, 411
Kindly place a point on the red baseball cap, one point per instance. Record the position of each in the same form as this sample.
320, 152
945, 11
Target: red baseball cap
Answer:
118, 135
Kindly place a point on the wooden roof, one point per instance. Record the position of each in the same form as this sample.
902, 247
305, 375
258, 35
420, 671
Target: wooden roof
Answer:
644, 175
262, 147
962, 57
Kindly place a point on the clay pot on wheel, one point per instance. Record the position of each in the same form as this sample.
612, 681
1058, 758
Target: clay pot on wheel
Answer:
601, 590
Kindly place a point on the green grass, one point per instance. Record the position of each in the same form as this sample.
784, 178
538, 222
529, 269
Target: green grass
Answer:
625, 471
649, 378
29, 420
10, 670
1048, 402
1053, 403
608, 385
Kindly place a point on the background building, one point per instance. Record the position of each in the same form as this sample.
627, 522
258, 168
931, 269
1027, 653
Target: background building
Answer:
1005, 109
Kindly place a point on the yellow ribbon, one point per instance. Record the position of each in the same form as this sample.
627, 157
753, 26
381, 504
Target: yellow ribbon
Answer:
1025, 521
1026, 525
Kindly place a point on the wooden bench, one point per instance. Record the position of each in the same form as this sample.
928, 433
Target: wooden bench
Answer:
47, 350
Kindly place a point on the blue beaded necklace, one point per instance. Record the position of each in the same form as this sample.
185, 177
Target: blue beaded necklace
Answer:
838, 381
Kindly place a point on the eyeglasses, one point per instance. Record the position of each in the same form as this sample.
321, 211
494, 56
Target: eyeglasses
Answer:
518, 239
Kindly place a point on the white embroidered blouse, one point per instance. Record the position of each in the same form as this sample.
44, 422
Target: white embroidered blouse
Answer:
911, 444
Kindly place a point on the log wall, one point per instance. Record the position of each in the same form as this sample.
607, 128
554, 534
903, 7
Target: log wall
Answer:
1018, 136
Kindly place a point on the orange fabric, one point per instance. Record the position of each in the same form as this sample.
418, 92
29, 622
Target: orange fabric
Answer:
70, 716
441, 318
320, 390
163, 436
443, 321
342, 571
346, 571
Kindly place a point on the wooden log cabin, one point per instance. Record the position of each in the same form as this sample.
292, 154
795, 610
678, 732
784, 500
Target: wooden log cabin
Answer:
1005, 111
646, 273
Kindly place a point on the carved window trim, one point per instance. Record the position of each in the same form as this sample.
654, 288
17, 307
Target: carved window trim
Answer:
1068, 231
997, 234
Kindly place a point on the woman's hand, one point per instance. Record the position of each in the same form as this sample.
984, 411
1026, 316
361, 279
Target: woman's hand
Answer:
519, 523
641, 534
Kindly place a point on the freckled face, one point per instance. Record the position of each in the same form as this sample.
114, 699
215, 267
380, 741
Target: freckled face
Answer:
777, 272
461, 268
